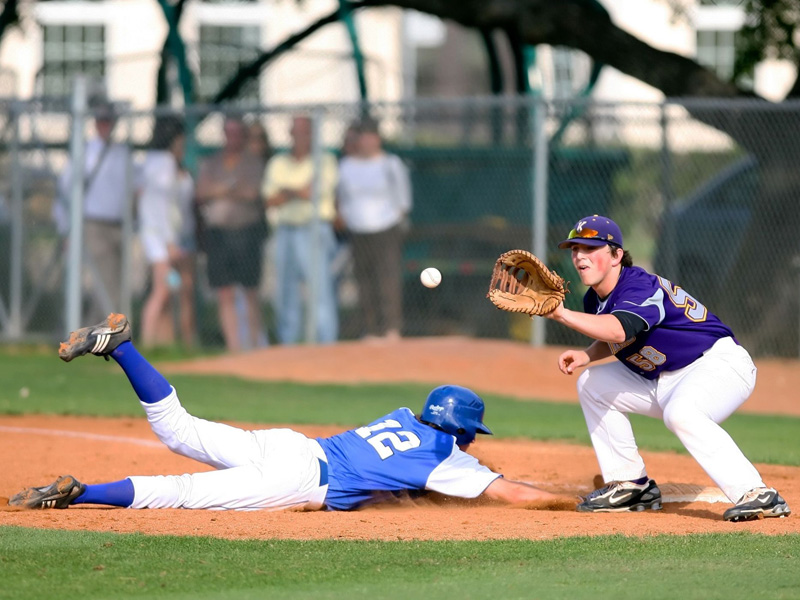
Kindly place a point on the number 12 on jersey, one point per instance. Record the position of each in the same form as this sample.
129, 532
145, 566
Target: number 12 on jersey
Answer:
378, 438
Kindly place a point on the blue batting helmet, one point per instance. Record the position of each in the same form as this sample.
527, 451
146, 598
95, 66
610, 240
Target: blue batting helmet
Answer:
455, 410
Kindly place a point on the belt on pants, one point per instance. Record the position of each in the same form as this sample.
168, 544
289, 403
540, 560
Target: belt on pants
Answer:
323, 472
107, 222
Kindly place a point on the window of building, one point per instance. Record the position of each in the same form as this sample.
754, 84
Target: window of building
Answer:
222, 50
70, 50
721, 2
563, 73
717, 51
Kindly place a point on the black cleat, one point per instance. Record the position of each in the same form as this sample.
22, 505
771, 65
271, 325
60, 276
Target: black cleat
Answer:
59, 494
758, 503
623, 496
100, 339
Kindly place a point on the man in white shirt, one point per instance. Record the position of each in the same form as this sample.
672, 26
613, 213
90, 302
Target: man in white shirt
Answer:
374, 196
104, 176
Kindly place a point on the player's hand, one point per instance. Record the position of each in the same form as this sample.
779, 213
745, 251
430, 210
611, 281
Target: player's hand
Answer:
556, 313
571, 360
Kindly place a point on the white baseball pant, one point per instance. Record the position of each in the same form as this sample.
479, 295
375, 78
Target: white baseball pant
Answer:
692, 401
269, 469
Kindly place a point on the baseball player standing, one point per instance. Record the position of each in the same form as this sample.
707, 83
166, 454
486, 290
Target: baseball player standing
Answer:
279, 468
676, 361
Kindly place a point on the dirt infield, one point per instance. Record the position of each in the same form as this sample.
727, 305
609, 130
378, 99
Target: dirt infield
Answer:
37, 449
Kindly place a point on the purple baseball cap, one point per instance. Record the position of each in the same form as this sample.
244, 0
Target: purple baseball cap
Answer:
594, 231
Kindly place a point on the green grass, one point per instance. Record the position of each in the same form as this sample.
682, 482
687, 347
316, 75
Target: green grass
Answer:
94, 387
34, 563
105, 565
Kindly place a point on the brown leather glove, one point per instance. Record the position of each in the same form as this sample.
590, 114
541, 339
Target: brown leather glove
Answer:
523, 283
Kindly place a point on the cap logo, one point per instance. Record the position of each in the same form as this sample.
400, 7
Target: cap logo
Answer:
436, 409
580, 225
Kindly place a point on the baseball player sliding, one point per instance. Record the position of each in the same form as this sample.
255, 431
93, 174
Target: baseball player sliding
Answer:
279, 468
675, 361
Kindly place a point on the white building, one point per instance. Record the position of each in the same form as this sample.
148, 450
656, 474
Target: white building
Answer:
120, 41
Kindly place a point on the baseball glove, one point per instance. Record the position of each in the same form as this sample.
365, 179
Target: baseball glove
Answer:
523, 283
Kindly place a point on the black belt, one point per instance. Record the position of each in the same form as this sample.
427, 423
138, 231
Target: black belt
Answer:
107, 222
323, 472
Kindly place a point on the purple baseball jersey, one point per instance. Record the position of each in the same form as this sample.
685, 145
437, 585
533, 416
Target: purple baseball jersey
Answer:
678, 329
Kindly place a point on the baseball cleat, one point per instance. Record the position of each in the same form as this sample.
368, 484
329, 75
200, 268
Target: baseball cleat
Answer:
758, 503
59, 494
100, 339
623, 496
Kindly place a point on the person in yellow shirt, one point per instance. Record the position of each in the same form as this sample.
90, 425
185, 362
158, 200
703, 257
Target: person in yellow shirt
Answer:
305, 243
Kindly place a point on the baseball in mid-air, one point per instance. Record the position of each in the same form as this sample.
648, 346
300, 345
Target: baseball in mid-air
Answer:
430, 277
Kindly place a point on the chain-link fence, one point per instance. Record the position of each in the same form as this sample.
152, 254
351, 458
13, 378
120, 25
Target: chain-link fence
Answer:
704, 193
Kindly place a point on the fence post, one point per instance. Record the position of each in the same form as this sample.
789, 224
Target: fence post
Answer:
127, 222
541, 160
17, 232
75, 252
669, 266
316, 266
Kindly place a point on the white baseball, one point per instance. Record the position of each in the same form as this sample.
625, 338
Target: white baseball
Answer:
430, 277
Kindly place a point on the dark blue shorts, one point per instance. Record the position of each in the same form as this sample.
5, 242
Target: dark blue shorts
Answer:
235, 256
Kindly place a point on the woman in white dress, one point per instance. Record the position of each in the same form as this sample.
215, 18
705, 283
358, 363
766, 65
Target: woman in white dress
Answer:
167, 231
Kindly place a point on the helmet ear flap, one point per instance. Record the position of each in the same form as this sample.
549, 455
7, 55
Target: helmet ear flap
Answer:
463, 437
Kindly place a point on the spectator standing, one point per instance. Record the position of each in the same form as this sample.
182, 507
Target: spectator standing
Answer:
258, 145
350, 140
342, 260
349, 148
298, 231
258, 142
374, 196
104, 173
234, 233
167, 228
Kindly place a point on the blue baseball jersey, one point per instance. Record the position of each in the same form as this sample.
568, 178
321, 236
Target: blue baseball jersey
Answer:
678, 328
398, 454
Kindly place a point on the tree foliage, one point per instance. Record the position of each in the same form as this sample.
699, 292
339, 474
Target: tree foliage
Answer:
770, 32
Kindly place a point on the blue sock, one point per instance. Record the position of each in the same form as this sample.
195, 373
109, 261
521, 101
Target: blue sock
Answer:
641, 480
118, 493
148, 383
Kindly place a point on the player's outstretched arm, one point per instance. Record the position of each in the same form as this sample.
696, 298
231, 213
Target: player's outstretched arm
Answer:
606, 328
516, 492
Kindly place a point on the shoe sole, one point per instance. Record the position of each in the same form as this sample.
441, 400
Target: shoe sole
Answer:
63, 487
641, 507
758, 514
72, 347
